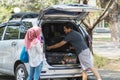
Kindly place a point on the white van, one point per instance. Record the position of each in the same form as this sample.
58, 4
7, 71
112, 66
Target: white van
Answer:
59, 63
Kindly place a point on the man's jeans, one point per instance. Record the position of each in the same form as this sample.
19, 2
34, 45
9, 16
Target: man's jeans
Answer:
35, 72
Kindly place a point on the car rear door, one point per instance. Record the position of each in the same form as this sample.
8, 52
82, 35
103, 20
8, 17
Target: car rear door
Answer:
66, 12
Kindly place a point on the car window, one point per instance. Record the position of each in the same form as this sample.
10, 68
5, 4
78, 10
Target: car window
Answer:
11, 32
1, 32
27, 24
23, 29
17, 32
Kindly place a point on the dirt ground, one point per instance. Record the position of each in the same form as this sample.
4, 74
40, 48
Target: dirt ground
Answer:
112, 64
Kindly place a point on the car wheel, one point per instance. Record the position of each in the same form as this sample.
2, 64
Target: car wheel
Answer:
21, 72
78, 78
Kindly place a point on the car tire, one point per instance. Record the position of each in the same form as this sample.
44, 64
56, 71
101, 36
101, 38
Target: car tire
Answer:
78, 78
21, 72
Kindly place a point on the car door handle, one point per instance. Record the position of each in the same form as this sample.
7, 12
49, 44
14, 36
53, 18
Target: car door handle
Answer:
13, 44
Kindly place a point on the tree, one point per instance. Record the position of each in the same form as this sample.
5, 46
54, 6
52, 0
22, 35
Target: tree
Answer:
90, 22
114, 20
90, 25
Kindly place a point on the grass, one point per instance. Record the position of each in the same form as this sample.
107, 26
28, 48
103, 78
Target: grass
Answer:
101, 39
100, 61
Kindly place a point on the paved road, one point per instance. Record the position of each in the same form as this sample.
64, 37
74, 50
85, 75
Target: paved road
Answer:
6, 77
108, 49
104, 47
106, 75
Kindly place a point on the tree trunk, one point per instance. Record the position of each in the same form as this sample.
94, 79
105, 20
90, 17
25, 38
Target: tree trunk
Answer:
79, 1
114, 21
115, 28
91, 37
85, 1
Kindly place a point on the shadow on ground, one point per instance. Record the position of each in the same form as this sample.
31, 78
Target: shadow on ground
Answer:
6, 77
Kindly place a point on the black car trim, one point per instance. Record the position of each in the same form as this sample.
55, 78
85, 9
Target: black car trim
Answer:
58, 68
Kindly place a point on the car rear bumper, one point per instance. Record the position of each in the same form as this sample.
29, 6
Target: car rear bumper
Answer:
73, 75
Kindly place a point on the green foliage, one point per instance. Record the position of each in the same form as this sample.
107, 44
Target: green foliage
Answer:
69, 1
103, 39
106, 24
99, 61
5, 13
6, 7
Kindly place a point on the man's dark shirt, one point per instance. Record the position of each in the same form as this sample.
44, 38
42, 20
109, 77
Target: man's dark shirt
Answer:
76, 39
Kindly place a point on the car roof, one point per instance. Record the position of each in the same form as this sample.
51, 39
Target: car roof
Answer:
66, 12
23, 15
16, 19
18, 22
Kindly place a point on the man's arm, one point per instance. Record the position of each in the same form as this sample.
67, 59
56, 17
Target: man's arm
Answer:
57, 45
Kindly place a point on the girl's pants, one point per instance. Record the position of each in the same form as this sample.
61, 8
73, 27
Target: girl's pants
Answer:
35, 72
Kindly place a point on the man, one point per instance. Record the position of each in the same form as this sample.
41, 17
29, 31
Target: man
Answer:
84, 54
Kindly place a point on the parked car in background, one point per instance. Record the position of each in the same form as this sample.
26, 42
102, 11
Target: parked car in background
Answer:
102, 33
101, 30
59, 63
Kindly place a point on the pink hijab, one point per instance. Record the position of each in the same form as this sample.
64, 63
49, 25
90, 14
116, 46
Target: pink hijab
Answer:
32, 36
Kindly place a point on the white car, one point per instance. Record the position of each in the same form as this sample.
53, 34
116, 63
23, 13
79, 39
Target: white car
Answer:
59, 63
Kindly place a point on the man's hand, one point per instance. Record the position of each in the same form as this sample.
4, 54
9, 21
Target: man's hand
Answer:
48, 48
57, 45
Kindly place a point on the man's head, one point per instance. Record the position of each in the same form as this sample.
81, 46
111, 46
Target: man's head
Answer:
67, 28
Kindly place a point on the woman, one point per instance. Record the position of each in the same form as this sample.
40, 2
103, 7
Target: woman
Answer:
35, 50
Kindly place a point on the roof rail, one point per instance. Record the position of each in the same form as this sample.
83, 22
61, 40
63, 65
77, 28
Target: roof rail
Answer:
2, 24
24, 15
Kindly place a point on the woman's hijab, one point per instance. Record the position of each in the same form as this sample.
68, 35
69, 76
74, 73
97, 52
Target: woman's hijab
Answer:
32, 36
